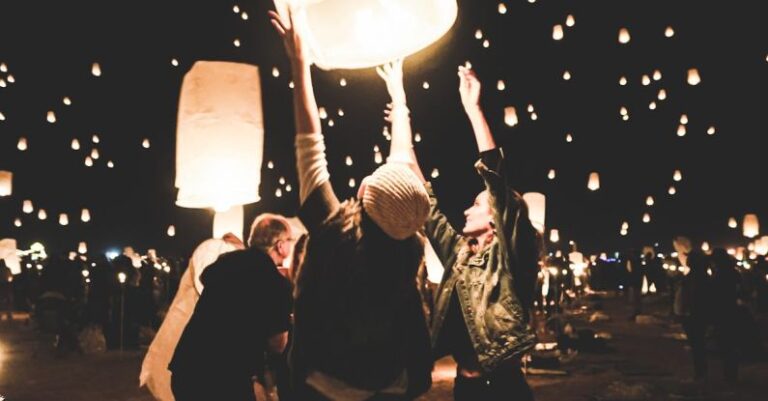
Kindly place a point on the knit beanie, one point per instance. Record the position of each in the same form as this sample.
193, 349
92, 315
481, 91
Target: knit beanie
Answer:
396, 200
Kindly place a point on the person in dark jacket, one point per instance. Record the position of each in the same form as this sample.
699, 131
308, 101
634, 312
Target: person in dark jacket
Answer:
243, 313
696, 310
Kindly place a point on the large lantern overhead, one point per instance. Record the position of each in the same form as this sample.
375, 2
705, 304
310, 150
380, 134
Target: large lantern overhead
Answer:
6, 183
230, 221
220, 136
366, 33
751, 226
537, 207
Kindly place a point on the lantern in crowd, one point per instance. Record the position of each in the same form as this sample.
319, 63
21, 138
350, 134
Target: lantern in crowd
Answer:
85, 216
171, 231
537, 206
732, 223
27, 207
230, 221
693, 77
82, 248
63, 219
751, 226
554, 235
365, 33
761, 246
6, 183
594, 182
510, 116
220, 136
10, 255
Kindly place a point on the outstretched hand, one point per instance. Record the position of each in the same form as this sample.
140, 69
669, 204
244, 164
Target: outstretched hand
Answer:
290, 32
392, 74
469, 88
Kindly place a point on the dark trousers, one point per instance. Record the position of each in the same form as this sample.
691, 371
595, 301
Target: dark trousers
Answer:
199, 388
696, 331
726, 338
307, 393
506, 383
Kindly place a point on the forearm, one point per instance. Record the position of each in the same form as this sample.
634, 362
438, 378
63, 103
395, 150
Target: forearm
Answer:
401, 148
483, 135
307, 118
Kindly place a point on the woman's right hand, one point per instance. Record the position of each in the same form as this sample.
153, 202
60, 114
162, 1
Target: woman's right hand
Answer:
291, 33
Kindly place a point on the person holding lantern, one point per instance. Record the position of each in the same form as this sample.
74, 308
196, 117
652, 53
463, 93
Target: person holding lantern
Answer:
360, 333
482, 307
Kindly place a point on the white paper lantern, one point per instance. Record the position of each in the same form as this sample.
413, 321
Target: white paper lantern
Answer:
693, 77
75, 144
366, 33
677, 176
230, 221
537, 207
22, 145
17, 222
669, 32
171, 231
82, 248
220, 136
96, 69
510, 116
649, 201
63, 219
552, 174
594, 182
570, 20
6, 183
27, 207
10, 255
554, 235
646, 218
557, 32
761, 246
85, 216
732, 223
751, 226
624, 36
41, 214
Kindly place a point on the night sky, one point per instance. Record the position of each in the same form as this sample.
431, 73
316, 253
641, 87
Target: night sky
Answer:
49, 47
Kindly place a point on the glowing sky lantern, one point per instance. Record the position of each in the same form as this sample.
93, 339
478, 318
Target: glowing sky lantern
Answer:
537, 207
171, 232
681, 131
174, 62
22, 144
646, 80
557, 32
88, 161
67, 101
705, 246
677, 176
51, 117
732, 223
358, 33
751, 226
662, 94
340, 112
554, 235
82, 248
693, 77
95, 138
652, 106
502, 8
63, 219
761, 246
486, 43
17, 222
552, 174
417, 137
41, 214
534, 116
479, 34
684, 119
669, 32
96, 70
625, 226
230, 221
6, 183
569, 138
3, 67
594, 181
672, 190
623, 111
649, 201
85, 216
244, 16
624, 36
236, 42
656, 75
646, 218
27, 207
435, 173
352, 183
95, 154
501, 85
711, 131
220, 136
510, 116
145, 143
2, 116
343, 83
275, 72
110, 164
425, 85
623, 81
567, 75
570, 20
322, 112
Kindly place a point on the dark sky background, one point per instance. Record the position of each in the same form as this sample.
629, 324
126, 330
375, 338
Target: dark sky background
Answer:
49, 46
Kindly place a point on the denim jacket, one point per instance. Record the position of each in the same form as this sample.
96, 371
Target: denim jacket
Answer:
495, 285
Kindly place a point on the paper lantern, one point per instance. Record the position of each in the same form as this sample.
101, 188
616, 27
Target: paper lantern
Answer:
340, 112
51, 117
677, 176
67, 101
646, 80
63, 219
672, 191
502, 8
479, 34
552, 174
705, 246
656, 75
662, 94
435, 173
534, 116
652, 106
557, 32
10, 255
625, 226
510, 116
554, 235
501, 85
6, 183
567, 75
27, 207
624, 36
570, 20
669, 32
82, 248
95, 138
623, 81
85, 216
110, 164
693, 77
2, 116
537, 206
96, 70
646, 218
684, 119
171, 231
569, 138
366, 33
17, 222
352, 183
244, 16
22, 145
486, 44
732, 223
343, 83
88, 161
417, 137
681, 131
41, 214
75, 144
594, 181
751, 226
649, 201
761, 246
220, 136
174, 62
95, 154
3, 67
230, 221
145, 143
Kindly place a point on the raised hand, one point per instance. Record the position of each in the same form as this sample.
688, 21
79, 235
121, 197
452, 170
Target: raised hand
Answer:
392, 74
291, 33
469, 89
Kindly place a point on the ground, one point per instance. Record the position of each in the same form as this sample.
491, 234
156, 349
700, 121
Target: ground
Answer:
643, 362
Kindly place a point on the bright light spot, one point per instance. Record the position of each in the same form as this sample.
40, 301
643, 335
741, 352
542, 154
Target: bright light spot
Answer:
236, 42
67, 101
145, 143
501, 85
348, 161
693, 77
669, 32
624, 36
684, 119
174, 62
351, 182
96, 70
51, 117
244, 16
567, 75
711, 131
570, 20
502, 8
486, 43
478, 34
662, 94
557, 32
275, 72
623, 81
551, 174
95, 139
343, 82
425, 85
435, 173
652, 105
681, 131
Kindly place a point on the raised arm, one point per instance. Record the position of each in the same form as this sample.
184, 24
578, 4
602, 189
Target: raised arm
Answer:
311, 164
469, 89
398, 114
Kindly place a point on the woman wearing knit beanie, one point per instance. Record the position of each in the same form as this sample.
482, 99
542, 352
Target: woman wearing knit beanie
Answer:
360, 331
481, 313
